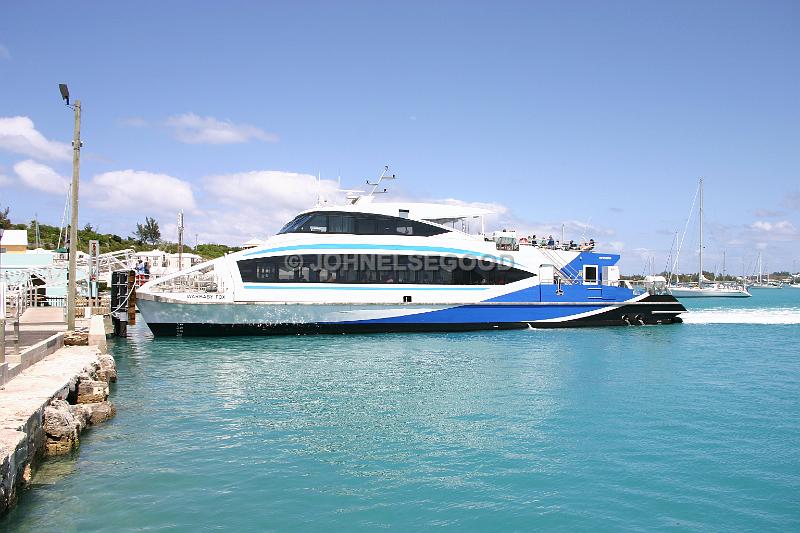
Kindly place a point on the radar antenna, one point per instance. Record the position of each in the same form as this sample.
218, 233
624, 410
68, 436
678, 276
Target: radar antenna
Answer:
355, 195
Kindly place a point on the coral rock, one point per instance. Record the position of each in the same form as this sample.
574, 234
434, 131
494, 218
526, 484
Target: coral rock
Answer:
101, 412
108, 369
91, 391
60, 427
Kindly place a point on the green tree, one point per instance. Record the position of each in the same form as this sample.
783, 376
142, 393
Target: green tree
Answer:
148, 232
5, 222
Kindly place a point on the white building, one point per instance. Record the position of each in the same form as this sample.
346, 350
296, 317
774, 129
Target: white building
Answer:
14, 241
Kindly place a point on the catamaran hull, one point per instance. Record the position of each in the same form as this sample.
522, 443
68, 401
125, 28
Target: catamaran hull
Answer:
224, 319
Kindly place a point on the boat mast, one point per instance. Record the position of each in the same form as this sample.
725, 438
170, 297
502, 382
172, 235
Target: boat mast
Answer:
759, 268
700, 276
723, 264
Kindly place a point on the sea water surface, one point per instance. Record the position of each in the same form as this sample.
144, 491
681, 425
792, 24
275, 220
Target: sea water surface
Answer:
690, 426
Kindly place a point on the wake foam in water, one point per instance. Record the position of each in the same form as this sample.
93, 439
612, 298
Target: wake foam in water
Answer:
787, 315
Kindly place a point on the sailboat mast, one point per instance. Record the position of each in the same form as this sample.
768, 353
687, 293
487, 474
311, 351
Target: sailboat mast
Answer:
724, 252
700, 276
759, 268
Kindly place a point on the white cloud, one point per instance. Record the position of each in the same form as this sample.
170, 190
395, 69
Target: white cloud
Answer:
264, 201
4, 53
133, 122
761, 225
193, 129
41, 177
270, 189
782, 228
19, 135
140, 191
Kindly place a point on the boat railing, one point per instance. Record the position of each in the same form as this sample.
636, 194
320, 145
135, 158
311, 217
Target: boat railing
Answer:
202, 280
642, 287
567, 274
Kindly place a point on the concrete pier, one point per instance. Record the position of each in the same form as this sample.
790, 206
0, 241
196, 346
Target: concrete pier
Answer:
50, 393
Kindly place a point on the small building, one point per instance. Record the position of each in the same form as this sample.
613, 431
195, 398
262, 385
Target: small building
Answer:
156, 258
187, 260
14, 241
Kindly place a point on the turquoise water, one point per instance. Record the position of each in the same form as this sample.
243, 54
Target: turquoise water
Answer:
692, 426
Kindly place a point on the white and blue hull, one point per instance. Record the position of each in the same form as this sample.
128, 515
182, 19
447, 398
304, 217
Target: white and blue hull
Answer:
447, 281
210, 319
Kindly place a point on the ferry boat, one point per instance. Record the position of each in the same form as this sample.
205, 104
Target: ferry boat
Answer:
368, 266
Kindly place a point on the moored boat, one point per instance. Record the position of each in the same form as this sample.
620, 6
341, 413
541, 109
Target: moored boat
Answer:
383, 267
709, 291
704, 288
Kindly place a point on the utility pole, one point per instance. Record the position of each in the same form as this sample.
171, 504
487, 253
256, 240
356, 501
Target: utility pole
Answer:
73, 227
2, 307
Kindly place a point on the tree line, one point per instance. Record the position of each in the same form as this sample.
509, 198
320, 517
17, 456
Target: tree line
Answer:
146, 236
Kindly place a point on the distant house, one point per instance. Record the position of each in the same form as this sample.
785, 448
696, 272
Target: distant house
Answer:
14, 241
187, 261
162, 263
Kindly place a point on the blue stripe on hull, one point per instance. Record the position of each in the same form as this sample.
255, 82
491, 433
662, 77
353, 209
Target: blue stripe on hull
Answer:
470, 314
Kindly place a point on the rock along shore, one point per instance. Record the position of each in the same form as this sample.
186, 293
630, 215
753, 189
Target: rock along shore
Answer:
44, 409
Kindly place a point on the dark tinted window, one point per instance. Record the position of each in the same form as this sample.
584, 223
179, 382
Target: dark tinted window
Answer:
375, 268
359, 224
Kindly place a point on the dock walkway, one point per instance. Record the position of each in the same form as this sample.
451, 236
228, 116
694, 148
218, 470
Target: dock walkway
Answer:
35, 325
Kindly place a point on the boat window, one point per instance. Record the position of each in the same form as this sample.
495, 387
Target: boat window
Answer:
359, 224
315, 224
341, 224
296, 222
366, 226
590, 274
376, 268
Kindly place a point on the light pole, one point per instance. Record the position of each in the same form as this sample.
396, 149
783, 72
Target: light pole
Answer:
73, 228
180, 240
2, 307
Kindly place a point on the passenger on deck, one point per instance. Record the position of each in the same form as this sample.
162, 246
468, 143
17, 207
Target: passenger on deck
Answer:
573, 245
550, 242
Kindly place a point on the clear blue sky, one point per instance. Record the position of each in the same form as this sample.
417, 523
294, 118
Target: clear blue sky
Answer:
602, 113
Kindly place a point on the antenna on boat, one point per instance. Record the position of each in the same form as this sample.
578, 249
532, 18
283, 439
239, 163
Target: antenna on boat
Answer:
384, 176
354, 196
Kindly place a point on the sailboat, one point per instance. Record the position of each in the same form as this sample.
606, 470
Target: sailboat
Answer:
705, 288
762, 283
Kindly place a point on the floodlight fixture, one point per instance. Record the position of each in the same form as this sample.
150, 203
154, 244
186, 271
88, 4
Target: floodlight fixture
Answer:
64, 92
